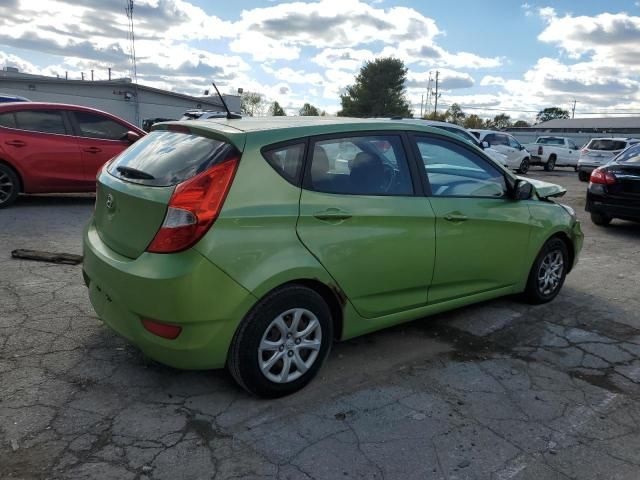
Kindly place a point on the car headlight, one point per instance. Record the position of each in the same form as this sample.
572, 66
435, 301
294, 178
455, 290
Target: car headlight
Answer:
568, 209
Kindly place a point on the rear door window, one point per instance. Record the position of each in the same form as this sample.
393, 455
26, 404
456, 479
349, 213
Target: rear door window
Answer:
93, 125
286, 160
164, 158
44, 121
8, 120
607, 145
360, 165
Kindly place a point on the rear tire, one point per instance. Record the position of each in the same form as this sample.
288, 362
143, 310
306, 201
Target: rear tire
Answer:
524, 166
9, 186
583, 176
551, 164
548, 272
600, 219
270, 354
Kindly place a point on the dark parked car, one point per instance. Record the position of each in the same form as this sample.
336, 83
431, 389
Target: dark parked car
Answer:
56, 148
614, 189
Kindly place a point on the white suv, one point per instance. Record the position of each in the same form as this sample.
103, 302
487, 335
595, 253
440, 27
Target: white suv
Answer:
598, 152
518, 158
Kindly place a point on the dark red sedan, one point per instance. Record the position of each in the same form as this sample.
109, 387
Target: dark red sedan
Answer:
56, 148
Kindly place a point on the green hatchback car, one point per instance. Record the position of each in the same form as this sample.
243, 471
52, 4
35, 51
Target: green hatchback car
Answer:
255, 243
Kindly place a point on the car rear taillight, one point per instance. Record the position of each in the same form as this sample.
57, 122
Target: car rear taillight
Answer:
602, 177
193, 207
164, 330
540, 150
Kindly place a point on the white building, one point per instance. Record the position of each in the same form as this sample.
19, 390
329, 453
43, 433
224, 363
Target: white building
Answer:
120, 97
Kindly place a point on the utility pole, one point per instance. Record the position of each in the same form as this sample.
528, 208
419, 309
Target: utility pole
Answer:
421, 104
573, 110
435, 109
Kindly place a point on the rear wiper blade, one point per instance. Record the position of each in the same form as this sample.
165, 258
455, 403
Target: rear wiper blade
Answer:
135, 173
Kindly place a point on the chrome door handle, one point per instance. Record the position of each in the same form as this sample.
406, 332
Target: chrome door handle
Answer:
455, 217
332, 215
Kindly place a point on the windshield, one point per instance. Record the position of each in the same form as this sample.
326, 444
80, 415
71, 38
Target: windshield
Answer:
606, 144
630, 156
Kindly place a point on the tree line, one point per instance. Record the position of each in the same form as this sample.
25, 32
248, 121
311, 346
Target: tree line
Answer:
379, 90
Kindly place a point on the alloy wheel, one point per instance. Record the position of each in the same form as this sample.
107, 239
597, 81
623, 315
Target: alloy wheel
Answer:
290, 345
550, 272
6, 187
524, 166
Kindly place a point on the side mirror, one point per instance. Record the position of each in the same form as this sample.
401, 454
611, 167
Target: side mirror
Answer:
521, 147
486, 144
132, 137
523, 190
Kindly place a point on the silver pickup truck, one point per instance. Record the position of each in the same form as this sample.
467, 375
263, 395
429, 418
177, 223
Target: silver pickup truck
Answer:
554, 152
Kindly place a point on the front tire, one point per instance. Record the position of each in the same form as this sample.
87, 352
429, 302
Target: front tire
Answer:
548, 272
524, 166
600, 219
282, 342
9, 186
551, 164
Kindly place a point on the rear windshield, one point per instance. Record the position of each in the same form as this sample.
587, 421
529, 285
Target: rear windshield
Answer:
629, 156
606, 144
164, 158
550, 141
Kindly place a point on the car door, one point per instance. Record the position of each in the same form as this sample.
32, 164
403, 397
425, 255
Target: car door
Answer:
362, 218
481, 233
100, 138
570, 153
516, 150
42, 148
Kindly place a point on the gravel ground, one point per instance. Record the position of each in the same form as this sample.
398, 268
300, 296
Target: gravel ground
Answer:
500, 390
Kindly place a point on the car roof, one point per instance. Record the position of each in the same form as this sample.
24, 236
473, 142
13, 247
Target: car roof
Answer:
15, 106
271, 130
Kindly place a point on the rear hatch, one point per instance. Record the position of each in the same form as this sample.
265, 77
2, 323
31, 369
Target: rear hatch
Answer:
600, 151
134, 190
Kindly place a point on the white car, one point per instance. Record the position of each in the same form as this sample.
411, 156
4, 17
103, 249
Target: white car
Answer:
518, 158
553, 152
598, 152
465, 135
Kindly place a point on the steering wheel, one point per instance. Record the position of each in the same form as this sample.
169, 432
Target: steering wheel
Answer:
390, 174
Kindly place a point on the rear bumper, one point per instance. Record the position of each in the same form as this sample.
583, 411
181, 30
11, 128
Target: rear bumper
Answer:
605, 206
183, 289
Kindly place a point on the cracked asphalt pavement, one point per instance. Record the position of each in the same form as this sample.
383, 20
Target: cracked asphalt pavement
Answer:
501, 390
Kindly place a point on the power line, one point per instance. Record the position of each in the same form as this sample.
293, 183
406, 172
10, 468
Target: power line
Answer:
612, 112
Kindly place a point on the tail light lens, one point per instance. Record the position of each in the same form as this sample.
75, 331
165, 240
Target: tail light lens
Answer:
602, 177
193, 207
540, 150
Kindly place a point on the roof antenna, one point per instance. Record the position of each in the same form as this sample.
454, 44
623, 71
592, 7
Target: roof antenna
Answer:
229, 114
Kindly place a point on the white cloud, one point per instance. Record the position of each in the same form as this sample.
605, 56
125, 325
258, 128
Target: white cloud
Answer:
491, 80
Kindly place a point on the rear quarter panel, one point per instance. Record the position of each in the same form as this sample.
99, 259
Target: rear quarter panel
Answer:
254, 239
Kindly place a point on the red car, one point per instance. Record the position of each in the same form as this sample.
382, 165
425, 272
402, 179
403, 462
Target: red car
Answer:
56, 148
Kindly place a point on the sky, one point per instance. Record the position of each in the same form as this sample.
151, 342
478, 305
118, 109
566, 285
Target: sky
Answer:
499, 56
